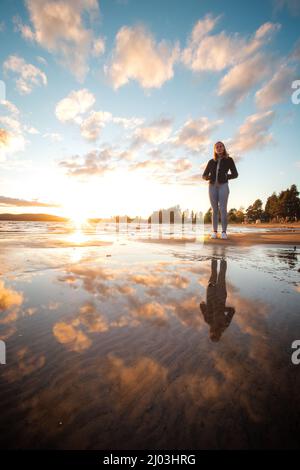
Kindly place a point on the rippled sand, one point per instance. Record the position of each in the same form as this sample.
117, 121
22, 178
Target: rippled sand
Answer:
114, 343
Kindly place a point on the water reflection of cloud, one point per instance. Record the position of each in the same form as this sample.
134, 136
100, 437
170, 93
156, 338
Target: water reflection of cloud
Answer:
27, 363
10, 303
69, 335
156, 380
9, 297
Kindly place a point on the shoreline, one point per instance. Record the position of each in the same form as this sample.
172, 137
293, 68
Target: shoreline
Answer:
256, 238
275, 237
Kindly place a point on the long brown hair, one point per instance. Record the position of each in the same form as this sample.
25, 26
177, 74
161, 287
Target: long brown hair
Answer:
225, 153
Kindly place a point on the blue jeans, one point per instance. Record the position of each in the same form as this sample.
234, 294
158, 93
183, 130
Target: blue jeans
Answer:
218, 196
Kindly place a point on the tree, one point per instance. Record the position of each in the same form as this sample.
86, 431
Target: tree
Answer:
272, 207
232, 217
207, 216
289, 203
255, 211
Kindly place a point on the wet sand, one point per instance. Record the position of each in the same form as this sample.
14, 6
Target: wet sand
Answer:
266, 234
284, 237
238, 239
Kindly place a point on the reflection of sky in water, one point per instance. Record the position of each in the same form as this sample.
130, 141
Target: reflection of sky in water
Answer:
135, 345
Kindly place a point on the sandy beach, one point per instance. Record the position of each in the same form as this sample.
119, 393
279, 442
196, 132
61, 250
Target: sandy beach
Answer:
278, 234
262, 234
282, 236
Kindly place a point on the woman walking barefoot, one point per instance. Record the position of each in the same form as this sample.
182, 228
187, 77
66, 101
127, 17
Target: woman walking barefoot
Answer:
216, 172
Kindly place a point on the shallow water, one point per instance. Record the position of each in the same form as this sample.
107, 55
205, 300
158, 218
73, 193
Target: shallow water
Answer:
132, 345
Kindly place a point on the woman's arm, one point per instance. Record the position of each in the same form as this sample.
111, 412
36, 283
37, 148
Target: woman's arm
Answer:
206, 174
233, 171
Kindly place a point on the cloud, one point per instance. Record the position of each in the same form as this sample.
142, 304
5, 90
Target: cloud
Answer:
137, 56
181, 165
277, 89
96, 162
195, 133
156, 133
98, 47
293, 6
253, 133
215, 52
54, 136
12, 109
11, 136
295, 55
29, 75
74, 108
41, 59
31, 130
59, 27
154, 163
177, 165
240, 79
193, 179
128, 123
91, 127
69, 109
10, 201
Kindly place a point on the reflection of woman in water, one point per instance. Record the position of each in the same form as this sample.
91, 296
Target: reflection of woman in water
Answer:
215, 312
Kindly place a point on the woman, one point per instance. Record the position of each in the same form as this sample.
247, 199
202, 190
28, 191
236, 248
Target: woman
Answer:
216, 172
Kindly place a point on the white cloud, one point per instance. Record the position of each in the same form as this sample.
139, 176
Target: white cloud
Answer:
74, 108
91, 126
60, 27
277, 89
195, 133
128, 123
29, 75
9, 201
253, 133
10, 107
215, 52
96, 162
11, 136
138, 57
181, 165
31, 130
235, 85
41, 59
74, 105
98, 47
156, 133
54, 136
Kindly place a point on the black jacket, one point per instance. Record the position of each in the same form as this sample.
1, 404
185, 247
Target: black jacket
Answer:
226, 164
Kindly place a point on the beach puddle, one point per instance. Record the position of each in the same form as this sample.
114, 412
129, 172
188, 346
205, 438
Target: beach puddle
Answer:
133, 345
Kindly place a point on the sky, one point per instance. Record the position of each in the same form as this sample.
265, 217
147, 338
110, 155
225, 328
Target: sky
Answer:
113, 106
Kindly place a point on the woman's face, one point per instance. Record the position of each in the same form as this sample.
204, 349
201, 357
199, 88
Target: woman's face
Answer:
219, 147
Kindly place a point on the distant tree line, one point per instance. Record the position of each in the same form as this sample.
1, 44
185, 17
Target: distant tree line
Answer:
284, 207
